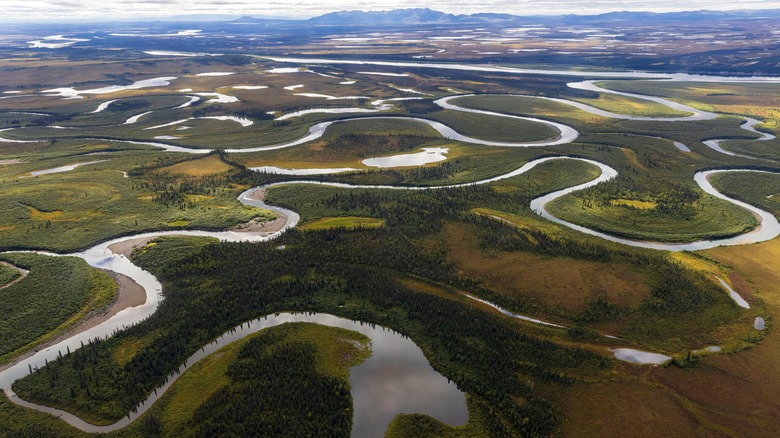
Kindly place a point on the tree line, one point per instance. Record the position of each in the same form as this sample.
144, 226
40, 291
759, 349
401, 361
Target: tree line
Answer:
357, 274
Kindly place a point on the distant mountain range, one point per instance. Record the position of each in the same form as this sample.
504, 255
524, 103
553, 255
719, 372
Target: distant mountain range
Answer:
397, 16
415, 16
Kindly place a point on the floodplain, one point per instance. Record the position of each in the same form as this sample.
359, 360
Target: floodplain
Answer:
161, 168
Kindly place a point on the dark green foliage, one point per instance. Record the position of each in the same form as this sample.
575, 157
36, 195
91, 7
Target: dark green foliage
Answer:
367, 145
158, 163
672, 200
680, 292
582, 334
255, 113
600, 310
128, 105
169, 250
418, 107
276, 390
51, 118
675, 290
355, 274
440, 172
150, 426
689, 361
759, 189
229, 283
209, 110
172, 189
416, 211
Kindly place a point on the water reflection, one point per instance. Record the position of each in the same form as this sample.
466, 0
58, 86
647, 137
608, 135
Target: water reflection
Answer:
396, 379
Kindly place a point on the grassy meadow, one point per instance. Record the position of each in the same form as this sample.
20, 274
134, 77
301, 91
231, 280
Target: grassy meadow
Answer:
403, 259
649, 399
494, 128
631, 106
529, 106
349, 222
71, 210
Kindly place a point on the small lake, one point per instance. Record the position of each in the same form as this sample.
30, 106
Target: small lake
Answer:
396, 379
69, 92
61, 169
428, 155
640, 357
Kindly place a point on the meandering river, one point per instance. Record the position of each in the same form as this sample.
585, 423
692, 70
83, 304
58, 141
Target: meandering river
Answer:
429, 392
396, 379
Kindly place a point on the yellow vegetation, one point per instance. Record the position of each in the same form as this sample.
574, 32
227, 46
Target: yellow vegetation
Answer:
633, 159
338, 350
557, 281
36, 214
345, 222
128, 349
209, 165
197, 198
642, 205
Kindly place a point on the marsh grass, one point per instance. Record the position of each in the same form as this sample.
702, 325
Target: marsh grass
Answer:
72, 210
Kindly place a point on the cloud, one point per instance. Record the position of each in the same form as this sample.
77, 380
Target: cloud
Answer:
36, 10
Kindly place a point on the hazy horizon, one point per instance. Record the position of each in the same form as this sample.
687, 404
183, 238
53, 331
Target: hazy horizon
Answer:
143, 10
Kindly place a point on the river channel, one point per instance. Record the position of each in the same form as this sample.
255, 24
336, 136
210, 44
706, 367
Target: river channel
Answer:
397, 378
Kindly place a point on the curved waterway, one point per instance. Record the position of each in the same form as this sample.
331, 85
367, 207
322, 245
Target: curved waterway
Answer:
693, 113
102, 257
396, 379
677, 77
301, 172
318, 130
61, 169
748, 125
566, 135
768, 228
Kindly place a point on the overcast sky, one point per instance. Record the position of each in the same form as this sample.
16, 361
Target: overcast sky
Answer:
37, 10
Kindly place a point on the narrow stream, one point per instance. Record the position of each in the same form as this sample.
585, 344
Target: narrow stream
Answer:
446, 402
768, 229
396, 379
